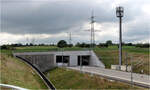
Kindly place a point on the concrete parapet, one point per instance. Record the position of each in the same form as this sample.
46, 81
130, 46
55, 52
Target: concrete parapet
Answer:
123, 67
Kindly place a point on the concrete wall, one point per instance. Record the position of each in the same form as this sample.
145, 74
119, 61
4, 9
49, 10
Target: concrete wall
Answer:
95, 61
73, 60
43, 62
123, 67
47, 60
73, 56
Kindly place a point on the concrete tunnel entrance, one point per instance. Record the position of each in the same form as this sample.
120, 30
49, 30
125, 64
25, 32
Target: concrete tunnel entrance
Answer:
84, 60
48, 60
62, 60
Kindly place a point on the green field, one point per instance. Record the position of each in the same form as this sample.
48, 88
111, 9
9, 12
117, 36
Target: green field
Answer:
107, 55
70, 79
15, 72
110, 56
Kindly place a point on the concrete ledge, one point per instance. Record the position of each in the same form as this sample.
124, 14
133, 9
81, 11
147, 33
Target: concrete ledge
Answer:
123, 67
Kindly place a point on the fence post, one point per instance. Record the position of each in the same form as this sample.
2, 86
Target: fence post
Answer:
131, 72
126, 57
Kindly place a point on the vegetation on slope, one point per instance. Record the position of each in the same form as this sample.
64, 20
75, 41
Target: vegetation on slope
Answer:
15, 72
70, 79
109, 56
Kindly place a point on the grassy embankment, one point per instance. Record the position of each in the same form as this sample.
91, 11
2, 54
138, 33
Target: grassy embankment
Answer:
70, 79
15, 72
110, 56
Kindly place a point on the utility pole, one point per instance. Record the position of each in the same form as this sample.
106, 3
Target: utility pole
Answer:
131, 71
119, 14
126, 60
70, 38
92, 30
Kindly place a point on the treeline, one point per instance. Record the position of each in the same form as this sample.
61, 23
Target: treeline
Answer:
147, 45
63, 43
12, 46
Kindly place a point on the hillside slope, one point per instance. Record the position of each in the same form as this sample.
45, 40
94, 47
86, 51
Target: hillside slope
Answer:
15, 72
64, 78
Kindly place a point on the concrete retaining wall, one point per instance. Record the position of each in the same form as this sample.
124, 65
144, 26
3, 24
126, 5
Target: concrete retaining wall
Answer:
42, 62
47, 60
95, 61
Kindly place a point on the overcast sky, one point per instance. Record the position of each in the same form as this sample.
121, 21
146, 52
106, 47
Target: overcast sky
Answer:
48, 21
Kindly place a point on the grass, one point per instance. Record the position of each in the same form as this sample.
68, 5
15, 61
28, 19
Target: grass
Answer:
70, 79
15, 72
44, 48
108, 55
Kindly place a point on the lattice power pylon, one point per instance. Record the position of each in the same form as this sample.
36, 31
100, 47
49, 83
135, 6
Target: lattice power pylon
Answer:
92, 30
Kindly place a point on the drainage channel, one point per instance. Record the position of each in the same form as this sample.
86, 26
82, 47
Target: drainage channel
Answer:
43, 77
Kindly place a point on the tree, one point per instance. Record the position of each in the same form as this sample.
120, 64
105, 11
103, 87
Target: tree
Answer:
109, 42
78, 44
82, 45
70, 45
103, 45
129, 44
62, 43
146, 45
7, 47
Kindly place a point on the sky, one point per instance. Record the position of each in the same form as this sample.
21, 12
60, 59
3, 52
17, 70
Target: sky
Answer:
48, 21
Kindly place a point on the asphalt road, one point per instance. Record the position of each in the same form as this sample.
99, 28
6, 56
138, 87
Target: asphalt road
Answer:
138, 79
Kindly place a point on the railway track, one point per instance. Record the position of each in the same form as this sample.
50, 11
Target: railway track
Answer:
43, 77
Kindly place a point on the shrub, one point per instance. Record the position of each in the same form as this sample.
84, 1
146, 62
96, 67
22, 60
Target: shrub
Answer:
146, 45
7, 47
103, 45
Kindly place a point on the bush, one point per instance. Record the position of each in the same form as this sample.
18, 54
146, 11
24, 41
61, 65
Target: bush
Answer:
83, 45
129, 44
103, 45
70, 45
143, 45
7, 47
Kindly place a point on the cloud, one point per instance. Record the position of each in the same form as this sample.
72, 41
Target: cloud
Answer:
51, 17
56, 17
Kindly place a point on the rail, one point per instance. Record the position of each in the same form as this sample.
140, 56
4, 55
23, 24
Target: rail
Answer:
43, 77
